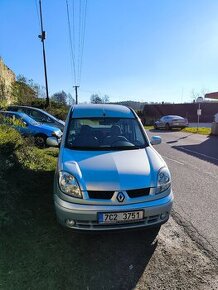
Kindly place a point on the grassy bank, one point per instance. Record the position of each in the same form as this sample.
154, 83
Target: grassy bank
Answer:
27, 222
35, 252
200, 130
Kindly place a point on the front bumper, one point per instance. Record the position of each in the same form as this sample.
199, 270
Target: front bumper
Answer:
85, 216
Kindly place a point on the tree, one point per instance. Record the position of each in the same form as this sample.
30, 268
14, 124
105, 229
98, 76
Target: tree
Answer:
195, 95
95, 99
105, 99
70, 100
2, 92
23, 91
60, 97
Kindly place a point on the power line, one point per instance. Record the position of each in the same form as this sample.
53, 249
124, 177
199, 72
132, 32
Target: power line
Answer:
82, 41
77, 38
37, 11
71, 44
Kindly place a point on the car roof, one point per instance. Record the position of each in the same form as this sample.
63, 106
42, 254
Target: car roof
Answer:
36, 109
173, 116
101, 110
28, 107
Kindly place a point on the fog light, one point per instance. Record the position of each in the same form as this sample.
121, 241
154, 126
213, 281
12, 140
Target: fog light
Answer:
164, 215
70, 223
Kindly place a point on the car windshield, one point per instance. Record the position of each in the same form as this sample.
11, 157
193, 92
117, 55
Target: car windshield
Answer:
105, 134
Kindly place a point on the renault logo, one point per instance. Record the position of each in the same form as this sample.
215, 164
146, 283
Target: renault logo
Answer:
120, 197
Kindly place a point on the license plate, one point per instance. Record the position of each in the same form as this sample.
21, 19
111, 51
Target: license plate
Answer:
120, 217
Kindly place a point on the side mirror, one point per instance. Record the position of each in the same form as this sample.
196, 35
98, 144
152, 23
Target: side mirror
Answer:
155, 140
52, 142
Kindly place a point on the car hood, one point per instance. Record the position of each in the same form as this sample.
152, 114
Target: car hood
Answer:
112, 170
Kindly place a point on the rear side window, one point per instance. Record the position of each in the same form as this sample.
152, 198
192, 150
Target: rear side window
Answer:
38, 116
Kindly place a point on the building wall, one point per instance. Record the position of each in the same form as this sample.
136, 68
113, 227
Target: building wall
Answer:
7, 77
152, 113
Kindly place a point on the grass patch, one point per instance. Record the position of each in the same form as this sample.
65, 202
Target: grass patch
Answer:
149, 127
200, 130
22, 167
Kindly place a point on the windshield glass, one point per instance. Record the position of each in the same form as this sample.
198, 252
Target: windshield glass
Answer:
105, 134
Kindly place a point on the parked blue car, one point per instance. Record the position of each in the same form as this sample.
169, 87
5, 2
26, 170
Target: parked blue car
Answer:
29, 127
39, 116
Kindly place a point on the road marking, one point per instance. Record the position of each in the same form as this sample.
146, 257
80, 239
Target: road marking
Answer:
173, 160
201, 154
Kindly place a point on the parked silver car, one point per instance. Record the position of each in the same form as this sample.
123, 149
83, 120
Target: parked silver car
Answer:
171, 121
109, 176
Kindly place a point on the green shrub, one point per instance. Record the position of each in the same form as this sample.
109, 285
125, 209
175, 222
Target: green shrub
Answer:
24, 171
59, 112
56, 109
10, 139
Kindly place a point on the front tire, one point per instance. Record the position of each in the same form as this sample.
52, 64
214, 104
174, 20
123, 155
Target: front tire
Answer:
40, 140
167, 126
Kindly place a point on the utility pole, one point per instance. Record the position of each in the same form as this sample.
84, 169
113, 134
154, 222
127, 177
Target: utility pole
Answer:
42, 37
76, 93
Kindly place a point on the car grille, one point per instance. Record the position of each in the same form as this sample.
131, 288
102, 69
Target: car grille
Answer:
100, 194
138, 192
95, 194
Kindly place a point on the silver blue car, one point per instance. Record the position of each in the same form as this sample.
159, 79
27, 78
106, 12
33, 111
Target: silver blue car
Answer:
171, 122
109, 176
29, 127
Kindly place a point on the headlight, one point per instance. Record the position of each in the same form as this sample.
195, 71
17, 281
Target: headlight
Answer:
163, 180
57, 134
69, 185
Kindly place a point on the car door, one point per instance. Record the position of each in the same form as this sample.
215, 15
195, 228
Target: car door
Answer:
20, 125
162, 122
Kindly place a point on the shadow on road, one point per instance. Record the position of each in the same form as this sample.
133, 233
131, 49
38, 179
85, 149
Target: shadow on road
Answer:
164, 130
180, 138
207, 150
112, 261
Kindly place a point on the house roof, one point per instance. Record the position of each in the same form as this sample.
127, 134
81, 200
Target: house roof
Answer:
213, 96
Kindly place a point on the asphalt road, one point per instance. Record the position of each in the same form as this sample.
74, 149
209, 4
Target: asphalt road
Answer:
193, 162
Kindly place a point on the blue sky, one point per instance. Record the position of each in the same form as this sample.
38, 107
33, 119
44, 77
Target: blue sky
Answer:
143, 50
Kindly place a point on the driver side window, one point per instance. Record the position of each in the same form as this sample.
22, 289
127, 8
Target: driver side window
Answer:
38, 116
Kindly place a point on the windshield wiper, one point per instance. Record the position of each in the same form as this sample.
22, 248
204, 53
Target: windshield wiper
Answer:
105, 148
127, 147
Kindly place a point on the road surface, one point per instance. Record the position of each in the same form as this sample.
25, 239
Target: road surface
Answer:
193, 162
205, 125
